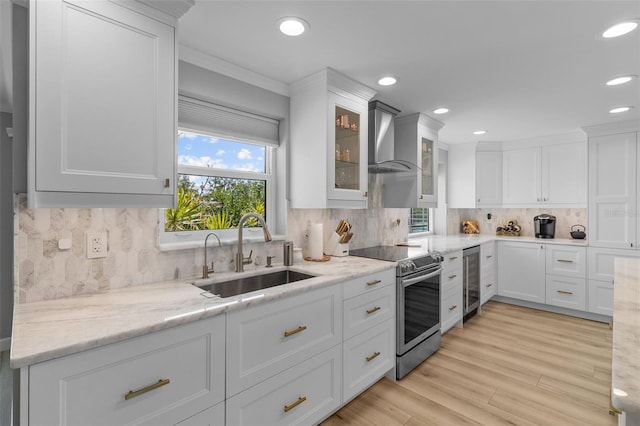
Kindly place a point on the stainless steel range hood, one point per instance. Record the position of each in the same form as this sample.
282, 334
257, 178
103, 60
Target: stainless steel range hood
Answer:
381, 141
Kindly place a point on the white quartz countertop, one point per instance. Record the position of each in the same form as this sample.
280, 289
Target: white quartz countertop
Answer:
447, 243
625, 374
54, 328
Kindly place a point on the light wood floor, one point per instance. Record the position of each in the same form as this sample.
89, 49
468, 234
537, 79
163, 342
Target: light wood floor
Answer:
510, 365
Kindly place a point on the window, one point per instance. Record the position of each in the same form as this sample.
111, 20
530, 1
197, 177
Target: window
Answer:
420, 221
220, 177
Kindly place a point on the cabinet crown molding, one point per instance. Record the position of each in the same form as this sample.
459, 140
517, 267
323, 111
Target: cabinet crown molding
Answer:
336, 82
612, 128
171, 9
421, 119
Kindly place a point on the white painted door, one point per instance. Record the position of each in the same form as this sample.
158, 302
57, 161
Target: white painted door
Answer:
521, 176
564, 174
104, 99
521, 271
612, 191
488, 178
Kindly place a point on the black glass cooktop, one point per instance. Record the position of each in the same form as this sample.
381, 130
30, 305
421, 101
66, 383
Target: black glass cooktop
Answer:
389, 253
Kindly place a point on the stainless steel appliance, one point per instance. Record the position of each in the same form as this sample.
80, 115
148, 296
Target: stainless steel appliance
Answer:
471, 281
417, 302
545, 226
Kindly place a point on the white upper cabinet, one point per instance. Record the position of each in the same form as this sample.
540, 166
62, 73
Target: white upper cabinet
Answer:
102, 104
416, 141
551, 175
488, 178
613, 184
475, 176
328, 149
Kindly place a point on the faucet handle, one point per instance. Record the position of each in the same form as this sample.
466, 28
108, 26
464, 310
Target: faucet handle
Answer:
247, 260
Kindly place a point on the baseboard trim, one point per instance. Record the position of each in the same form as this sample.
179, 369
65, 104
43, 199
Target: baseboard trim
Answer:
555, 309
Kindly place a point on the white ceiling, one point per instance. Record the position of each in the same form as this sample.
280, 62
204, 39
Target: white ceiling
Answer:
519, 69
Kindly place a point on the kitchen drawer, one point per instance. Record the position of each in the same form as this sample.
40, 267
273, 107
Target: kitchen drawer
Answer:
567, 292
450, 286
566, 261
90, 387
268, 338
451, 277
488, 285
451, 310
367, 310
488, 254
213, 416
368, 283
600, 297
452, 258
304, 394
367, 357
601, 261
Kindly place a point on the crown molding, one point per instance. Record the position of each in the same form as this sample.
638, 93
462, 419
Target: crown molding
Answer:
211, 63
612, 128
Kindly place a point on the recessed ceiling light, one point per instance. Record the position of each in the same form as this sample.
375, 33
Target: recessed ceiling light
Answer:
620, 109
292, 25
620, 29
441, 110
387, 81
620, 80
479, 132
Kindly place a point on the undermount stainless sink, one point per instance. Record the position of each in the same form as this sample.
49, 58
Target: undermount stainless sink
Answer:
253, 283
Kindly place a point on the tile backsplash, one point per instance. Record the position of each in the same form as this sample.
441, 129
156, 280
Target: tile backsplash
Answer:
565, 218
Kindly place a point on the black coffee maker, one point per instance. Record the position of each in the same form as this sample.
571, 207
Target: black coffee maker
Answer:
545, 225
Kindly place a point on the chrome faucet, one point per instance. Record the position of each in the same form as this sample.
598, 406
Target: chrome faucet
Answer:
240, 259
205, 268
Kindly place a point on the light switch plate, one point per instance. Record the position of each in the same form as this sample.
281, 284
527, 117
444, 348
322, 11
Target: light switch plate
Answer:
96, 244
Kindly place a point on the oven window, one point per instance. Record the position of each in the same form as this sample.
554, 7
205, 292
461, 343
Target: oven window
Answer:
421, 307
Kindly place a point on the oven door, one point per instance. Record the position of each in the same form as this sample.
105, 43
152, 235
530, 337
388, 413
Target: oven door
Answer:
418, 308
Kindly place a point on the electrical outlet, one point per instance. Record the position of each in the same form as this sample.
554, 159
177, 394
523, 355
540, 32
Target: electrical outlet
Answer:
96, 244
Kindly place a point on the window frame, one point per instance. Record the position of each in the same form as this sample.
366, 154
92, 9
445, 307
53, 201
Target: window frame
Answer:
430, 224
187, 239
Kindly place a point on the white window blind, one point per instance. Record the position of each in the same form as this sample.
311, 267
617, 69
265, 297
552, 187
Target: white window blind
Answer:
222, 121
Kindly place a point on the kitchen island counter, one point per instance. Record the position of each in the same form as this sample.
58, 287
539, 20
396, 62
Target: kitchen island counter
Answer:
447, 243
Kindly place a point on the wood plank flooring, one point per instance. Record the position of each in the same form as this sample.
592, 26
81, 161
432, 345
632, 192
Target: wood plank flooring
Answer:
509, 365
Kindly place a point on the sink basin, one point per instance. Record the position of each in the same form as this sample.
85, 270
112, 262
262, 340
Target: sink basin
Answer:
256, 282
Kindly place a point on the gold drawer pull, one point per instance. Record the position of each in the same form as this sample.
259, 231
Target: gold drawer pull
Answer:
373, 356
453, 258
451, 308
452, 276
374, 309
133, 394
565, 261
489, 285
374, 282
295, 331
612, 408
293, 405
564, 292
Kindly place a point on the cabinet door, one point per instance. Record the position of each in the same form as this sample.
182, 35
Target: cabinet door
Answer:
103, 105
521, 176
213, 416
564, 174
600, 297
521, 271
612, 191
427, 182
347, 165
488, 178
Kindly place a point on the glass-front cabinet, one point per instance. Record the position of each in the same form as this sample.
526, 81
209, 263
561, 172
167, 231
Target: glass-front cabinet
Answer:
328, 142
427, 181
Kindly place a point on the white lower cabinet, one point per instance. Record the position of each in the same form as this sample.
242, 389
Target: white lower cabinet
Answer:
488, 273
601, 272
451, 291
600, 294
521, 271
566, 292
301, 395
213, 416
158, 379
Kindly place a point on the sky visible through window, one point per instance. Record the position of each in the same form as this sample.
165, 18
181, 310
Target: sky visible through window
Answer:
208, 151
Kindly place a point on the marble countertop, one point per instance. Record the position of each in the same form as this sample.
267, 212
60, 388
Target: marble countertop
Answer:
447, 243
625, 375
54, 328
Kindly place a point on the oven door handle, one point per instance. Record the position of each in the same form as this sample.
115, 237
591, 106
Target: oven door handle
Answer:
411, 281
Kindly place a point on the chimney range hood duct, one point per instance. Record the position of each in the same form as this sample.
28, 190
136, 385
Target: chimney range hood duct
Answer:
381, 141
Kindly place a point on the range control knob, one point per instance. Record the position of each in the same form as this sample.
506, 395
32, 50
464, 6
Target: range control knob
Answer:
407, 266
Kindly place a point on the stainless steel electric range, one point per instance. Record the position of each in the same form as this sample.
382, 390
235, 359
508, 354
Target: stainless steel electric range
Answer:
417, 302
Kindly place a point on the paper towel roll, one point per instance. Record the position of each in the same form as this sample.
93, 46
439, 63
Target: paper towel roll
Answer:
315, 241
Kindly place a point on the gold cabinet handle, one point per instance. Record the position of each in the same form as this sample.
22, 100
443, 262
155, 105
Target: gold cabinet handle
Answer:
612, 408
489, 285
452, 276
565, 261
422, 197
489, 256
372, 356
564, 292
453, 258
293, 405
167, 183
374, 309
451, 308
156, 385
366, 194
374, 282
295, 331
